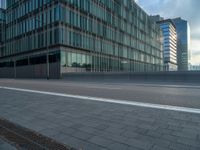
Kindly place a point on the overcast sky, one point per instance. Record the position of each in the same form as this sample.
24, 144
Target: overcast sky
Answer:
186, 9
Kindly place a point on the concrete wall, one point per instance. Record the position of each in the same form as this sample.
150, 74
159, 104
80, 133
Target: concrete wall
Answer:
32, 71
39, 71
192, 76
7, 72
54, 70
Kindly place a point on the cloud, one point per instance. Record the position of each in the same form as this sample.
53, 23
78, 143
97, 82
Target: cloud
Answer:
186, 9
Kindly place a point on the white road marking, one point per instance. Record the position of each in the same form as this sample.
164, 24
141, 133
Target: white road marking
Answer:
124, 102
170, 85
93, 86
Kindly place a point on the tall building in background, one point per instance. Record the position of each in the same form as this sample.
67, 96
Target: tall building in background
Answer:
3, 4
183, 43
169, 44
54, 37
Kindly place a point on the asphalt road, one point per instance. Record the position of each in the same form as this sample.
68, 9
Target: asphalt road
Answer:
157, 93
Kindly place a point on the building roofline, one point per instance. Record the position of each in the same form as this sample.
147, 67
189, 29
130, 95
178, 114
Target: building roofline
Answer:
179, 18
167, 20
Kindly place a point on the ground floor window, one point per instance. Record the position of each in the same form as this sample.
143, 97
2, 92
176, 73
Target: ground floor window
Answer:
80, 61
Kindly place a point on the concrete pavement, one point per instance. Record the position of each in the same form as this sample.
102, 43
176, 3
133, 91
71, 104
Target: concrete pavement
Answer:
94, 125
5, 146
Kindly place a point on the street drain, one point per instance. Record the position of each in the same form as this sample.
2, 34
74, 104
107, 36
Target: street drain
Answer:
26, 139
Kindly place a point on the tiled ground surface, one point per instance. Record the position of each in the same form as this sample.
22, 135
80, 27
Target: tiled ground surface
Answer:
91, 125
5, 146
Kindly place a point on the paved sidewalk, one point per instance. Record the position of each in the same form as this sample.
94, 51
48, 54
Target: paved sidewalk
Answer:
5, 146
90, 125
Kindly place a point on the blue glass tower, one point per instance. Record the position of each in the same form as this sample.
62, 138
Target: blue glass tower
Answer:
169, 44
3, 4
183, 43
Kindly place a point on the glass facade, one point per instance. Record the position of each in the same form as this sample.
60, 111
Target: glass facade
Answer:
183, 43
91, 35
2, 30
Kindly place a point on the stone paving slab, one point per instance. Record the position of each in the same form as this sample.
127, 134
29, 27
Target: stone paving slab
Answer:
90, 125
6, 146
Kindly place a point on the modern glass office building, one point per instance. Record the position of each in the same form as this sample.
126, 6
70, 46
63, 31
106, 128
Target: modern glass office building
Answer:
169, 44
2, 30
183, 43
48, 36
